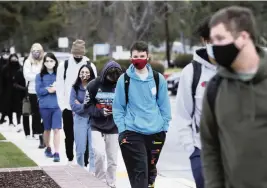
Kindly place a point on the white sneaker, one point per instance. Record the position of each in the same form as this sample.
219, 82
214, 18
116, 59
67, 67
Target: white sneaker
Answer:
12, 125
28, 137
71, 163
19, 128
92, 174
104, 181
35, 137
112, 185
85, 168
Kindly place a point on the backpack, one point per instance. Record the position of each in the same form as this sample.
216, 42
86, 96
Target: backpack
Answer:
66, 64
127, 83
196, 76
212, 91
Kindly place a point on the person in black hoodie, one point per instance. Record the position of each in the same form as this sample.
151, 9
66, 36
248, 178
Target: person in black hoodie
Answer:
3, 61
4, 57
12, 91
99, 98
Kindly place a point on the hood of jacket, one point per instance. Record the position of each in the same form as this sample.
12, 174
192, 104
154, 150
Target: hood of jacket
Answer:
107, 66
202, 57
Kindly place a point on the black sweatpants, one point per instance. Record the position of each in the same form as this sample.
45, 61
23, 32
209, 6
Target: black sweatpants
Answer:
140, 154
37, 126
26, 125
69, 134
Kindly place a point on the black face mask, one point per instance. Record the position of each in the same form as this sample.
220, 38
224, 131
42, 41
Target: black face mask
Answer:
78, 59
225, 55
113, 75
14, 62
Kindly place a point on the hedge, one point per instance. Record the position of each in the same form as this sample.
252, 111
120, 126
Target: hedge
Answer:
182, 60
126, 63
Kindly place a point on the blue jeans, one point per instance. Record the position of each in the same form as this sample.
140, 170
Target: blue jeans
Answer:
197, 168
82, 131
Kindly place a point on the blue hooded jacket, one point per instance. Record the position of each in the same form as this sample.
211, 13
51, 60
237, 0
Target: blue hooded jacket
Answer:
100, 95
143, 113
79, 95
46, 99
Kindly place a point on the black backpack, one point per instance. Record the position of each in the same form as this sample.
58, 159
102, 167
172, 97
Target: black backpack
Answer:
196, 76
212, 88
212, 91
127, 83
66, 64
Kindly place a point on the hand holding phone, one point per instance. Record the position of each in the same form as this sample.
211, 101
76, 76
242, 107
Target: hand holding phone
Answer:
107, 112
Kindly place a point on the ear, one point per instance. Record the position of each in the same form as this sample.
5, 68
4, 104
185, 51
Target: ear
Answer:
202, 41
244, 38
149, 56
245, 35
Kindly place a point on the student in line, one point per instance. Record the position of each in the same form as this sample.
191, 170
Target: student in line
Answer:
66, 76
192, 85
233, 124
141, 111
82, 127
49, 109
31, 68
12, 95
99, 99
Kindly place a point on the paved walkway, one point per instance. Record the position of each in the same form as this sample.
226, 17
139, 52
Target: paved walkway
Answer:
30, 147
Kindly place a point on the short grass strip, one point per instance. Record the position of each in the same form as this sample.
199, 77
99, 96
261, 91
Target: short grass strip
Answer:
12, 157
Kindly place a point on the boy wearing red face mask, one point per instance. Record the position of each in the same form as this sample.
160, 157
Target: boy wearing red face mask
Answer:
141, 111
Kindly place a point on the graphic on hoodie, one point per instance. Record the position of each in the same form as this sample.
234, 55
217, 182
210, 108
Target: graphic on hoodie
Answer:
104, 100
204, 83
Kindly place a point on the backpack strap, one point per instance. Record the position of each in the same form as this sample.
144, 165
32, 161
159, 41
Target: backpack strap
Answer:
127, 83
156, 78
66, 63
196, 76
126, 86
212, 91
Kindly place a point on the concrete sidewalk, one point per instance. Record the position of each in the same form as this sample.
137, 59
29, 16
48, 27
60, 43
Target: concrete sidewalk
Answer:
30, 147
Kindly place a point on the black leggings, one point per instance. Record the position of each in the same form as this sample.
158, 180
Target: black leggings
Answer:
10, 117
37, 126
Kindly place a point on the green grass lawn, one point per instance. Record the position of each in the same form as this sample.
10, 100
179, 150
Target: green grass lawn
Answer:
172, 70
12, 157
2, 137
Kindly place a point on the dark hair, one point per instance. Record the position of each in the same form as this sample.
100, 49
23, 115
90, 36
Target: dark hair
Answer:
25, 58
44, 69
78, 82
236, 19
140, 46
203, 29
5, 50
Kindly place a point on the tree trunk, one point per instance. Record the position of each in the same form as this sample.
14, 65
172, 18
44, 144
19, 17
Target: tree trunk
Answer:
167, 35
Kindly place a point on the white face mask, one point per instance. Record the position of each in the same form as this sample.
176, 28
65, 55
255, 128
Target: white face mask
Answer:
210, 51
50, 65
5, 56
